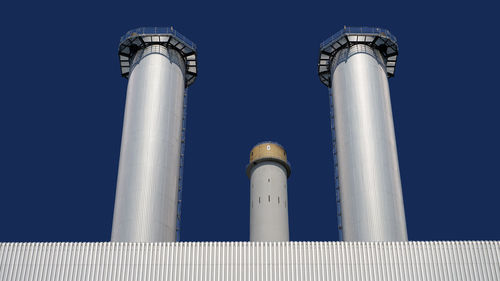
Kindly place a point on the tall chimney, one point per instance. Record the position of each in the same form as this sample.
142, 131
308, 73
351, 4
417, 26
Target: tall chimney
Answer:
354, 64
159, 63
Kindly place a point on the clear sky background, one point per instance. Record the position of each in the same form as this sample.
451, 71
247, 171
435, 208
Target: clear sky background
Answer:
62, 101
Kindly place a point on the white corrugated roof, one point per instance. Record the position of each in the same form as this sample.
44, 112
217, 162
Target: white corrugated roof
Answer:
473, 260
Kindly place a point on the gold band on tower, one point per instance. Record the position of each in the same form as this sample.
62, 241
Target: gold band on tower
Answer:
268, 151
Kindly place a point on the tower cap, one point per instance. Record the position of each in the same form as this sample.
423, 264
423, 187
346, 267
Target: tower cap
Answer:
377, 38
143, 37
268, 151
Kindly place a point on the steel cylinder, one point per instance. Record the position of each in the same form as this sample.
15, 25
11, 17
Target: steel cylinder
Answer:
369, 180
147, 187
268, 172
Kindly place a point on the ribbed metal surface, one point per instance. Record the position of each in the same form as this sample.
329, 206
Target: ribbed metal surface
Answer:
371, 198
251, 261
148, 176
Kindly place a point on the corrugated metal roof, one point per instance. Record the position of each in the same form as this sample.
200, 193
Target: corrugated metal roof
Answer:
474, 260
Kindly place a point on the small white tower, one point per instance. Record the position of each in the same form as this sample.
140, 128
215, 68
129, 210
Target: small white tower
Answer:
268, 171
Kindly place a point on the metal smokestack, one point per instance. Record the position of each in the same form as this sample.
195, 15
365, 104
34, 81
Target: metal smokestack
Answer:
268, 171
159, 63
355, 63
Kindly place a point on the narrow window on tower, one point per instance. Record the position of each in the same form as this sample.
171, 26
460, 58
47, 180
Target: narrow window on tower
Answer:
268, 180
269, 198
278, 199
259, 199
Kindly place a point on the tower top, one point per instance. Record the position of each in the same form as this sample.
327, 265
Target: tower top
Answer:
377, 38
268, 151
143, 37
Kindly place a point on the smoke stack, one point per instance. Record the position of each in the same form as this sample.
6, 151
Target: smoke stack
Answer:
159, 63
268, 171
355, 64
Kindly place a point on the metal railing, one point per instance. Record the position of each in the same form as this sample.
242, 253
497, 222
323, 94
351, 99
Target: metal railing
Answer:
358, 30
181, 170
336, 167
157, 30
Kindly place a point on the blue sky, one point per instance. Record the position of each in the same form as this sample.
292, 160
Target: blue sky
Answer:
62, 102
